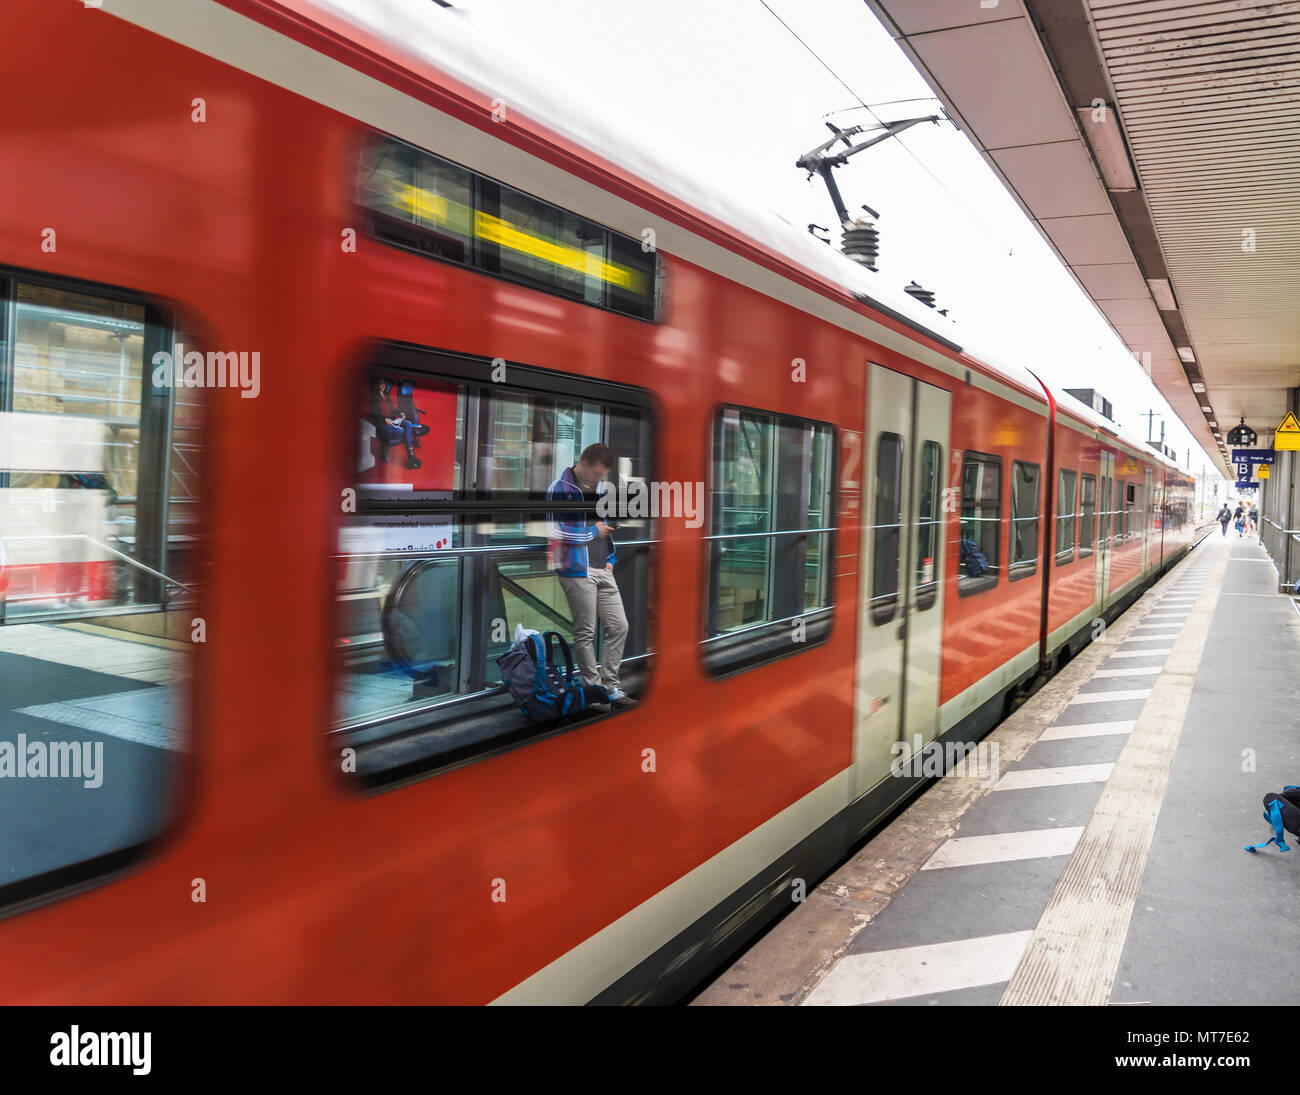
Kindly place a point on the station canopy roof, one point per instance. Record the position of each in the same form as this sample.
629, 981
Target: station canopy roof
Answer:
1154, 143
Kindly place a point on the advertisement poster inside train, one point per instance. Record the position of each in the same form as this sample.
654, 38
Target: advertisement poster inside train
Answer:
407, 439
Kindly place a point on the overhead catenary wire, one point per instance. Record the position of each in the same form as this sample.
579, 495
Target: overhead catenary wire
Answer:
888, 102
865, 106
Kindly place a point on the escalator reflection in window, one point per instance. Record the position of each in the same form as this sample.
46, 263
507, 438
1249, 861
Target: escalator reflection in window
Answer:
449, 554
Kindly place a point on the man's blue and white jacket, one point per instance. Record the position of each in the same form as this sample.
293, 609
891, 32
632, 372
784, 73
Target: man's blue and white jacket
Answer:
570, 533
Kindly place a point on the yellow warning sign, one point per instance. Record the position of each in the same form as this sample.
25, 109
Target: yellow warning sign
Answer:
1262, 471
1286, 438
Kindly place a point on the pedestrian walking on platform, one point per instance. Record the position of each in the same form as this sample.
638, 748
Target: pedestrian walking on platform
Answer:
1225, 516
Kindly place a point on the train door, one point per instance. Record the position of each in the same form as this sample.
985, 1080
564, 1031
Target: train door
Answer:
1144, 510
1105, 517
900, 614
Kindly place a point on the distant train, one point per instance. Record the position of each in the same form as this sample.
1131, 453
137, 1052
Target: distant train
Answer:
894, 538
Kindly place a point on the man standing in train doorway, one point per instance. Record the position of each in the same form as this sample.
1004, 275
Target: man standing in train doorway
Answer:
583, 555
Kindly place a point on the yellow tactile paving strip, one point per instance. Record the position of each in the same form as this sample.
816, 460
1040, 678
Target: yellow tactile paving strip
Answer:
1075, 950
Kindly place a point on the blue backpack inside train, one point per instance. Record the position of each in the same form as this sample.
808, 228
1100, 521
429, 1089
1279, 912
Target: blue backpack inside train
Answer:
974, 562
541, 687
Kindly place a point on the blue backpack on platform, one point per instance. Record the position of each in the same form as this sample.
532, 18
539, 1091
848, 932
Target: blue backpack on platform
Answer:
1283, 813
537, 682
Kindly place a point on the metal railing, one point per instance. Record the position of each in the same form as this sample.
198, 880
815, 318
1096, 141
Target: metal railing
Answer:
102, 547
482, 549
1279, 543
771, 535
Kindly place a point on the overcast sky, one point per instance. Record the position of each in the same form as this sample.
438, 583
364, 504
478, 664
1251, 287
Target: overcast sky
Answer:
721, 93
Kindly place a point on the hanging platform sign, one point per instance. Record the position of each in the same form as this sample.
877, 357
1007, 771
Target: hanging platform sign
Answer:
1252, 456
1252, 463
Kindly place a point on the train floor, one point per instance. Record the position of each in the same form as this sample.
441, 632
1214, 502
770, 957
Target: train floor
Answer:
1101, 858
117, 696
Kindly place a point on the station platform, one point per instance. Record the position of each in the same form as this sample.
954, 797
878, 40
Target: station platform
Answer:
1101, 858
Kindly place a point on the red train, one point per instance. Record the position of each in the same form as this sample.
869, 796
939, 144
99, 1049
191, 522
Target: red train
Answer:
313, 788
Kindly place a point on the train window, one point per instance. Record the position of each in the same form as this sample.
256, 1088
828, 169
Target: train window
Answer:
770, 523
97, 580
1065, 517
887, 528
453, 546
424, 203
1024, 520
1087, 513
565, 232
742, 510
981, 522
425, 192
929, 526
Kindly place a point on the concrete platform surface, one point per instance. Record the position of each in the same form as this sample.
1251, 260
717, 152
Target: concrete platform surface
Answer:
1105, 865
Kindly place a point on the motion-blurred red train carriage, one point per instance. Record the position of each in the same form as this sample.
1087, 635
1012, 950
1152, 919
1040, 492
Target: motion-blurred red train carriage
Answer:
313, 785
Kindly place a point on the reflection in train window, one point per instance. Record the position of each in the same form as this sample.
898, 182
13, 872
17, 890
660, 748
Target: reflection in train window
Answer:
1087, 513
1024, 519
450, 551
742, 503
98, 534
886, 529
1104, 513
770, 526
422, 202
981, 522
1065, 517
929, 528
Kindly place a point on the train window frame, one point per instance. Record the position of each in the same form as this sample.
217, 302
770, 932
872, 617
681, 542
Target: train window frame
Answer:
726, 653
1088, 510
481, 242
1067, 555
1024, 567
162, 325
884, 606
970, 585
478, 719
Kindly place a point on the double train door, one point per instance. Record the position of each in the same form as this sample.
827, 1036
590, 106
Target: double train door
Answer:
900, 614
1105, 524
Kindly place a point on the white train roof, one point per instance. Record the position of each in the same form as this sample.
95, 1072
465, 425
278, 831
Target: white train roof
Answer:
426, 34
1100, 422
